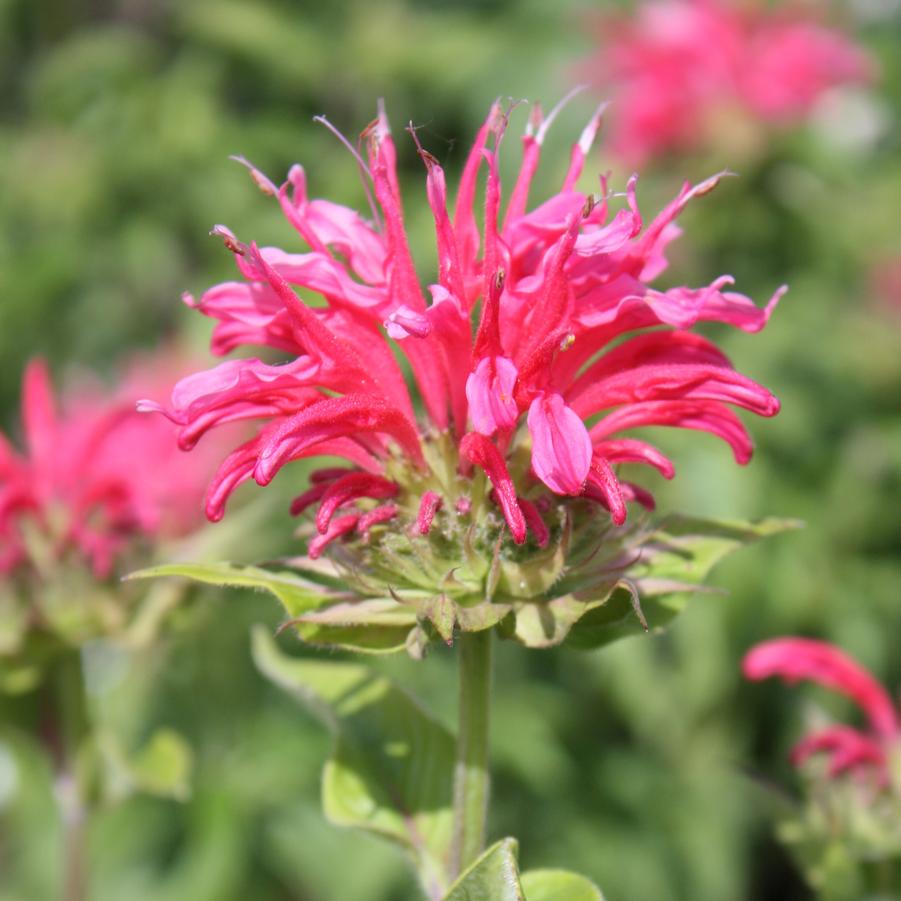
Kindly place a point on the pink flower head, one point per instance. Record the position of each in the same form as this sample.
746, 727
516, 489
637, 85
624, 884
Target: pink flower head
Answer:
94, 474
794, 659
675, 66
535, 397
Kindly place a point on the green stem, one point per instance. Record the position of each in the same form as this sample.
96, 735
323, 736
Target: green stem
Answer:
73, 725
471, 779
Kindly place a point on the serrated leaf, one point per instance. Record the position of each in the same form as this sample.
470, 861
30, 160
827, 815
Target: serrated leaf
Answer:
374, 626
493, 877
297, 595
389, 772
558, 885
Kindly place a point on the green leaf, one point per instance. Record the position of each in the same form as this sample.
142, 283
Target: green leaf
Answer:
441, 612
376, 625
162, 767
685, 549
445, 614
389, 772
617, 618
493, 877
559, 885
297, 595
546, 624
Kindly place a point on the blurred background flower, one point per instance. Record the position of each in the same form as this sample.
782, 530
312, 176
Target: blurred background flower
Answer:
116, 122
844, 827
691, 75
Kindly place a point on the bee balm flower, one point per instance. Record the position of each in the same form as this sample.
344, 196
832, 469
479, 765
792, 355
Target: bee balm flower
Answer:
511, 420
94, 475
848, 749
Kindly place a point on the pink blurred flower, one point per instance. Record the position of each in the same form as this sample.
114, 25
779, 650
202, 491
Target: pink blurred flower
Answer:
675, 66
849, 749
536, 396
885, 285
94, 474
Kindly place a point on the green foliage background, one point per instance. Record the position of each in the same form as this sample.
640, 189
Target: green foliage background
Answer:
641, 766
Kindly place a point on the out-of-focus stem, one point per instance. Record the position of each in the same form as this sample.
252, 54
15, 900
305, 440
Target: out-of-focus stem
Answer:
471, 778
73, 725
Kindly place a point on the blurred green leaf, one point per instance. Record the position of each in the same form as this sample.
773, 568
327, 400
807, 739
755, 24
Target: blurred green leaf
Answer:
390, 770
558, 885
683, 550
161, 767
493, 877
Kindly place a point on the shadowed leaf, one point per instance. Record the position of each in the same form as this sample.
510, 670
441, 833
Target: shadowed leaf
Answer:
389, 772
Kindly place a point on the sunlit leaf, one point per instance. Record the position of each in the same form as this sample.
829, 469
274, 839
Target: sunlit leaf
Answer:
558, 885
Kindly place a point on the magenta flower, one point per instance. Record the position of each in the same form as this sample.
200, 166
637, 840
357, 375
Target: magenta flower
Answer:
537, 396
849, 749
679, 69
94, 475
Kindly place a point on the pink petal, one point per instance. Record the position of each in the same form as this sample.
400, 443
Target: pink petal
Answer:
404, 322
374, 517
478, 449
348, 417
338, 528
794, 659
306, 499
705, 416
676, 382
604, 487
39, 411
429, 505
489, 390
535, 522
561, 448
848, 748
580, 149
628, 450
351, 487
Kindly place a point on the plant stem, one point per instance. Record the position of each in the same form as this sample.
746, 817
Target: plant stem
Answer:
471, 779
72, 720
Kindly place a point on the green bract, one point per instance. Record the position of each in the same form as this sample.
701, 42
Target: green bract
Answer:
592, 584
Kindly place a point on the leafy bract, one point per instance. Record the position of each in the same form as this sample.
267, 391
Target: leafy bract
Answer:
613, 583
